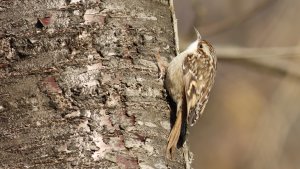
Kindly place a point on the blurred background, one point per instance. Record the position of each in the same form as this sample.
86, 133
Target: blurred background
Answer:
252, 119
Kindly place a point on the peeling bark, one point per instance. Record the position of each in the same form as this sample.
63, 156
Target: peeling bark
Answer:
79, 84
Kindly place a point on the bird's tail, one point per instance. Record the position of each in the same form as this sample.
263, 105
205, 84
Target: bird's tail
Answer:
183, 131
174, 135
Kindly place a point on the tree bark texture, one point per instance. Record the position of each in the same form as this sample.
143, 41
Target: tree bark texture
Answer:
79, 84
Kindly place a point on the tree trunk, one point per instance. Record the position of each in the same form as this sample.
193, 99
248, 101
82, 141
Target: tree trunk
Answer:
79, 84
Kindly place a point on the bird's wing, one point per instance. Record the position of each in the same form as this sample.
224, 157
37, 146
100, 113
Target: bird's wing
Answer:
198, 80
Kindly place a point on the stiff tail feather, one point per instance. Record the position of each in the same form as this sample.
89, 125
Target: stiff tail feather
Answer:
174, 136
183, 132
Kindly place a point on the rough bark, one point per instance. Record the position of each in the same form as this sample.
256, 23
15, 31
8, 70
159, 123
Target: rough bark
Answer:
79, 88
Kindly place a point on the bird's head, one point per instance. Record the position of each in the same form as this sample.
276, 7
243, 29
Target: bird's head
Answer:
201, 45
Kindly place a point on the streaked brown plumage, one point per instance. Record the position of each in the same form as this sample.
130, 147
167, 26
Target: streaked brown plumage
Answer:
189, 79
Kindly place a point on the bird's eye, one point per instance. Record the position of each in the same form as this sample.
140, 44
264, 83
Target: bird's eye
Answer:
201, 46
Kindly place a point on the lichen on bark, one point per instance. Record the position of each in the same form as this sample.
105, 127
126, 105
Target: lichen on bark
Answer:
79, 84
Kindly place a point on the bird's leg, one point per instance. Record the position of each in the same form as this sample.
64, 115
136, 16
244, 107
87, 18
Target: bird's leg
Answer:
175, 132
162, 66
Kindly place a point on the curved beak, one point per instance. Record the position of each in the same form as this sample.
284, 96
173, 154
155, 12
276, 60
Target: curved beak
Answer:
198, 34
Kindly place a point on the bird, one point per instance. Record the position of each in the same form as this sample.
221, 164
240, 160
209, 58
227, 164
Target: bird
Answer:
189, 79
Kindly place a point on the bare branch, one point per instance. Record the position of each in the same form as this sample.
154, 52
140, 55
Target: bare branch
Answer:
250, 53
279, 58
172, 8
